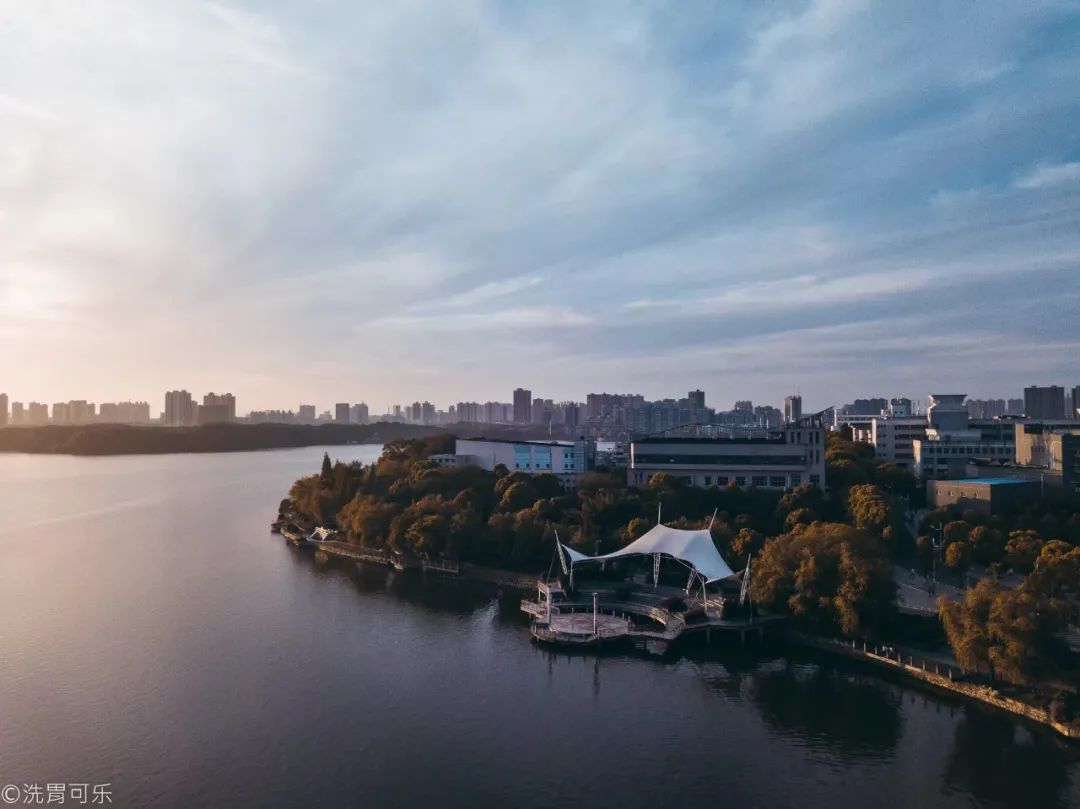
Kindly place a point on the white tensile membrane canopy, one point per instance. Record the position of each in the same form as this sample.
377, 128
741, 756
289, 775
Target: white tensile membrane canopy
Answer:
694, 548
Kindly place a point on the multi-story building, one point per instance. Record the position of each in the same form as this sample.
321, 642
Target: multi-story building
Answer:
37, 413
1044, 402
224, 406
778, 459
566, 460
341, 412
18, 415
124, 412
306, 414
1053, 447
951, 442
894, 437
180, 409
522, 406
3, 410
359, 414
1074, 403
792, 408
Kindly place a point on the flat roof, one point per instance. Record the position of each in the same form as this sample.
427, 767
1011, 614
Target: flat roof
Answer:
988, 481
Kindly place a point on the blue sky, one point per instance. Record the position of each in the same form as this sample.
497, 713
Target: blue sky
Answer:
388, 201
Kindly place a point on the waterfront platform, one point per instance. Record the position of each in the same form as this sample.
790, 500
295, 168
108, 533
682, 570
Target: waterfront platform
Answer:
638, 617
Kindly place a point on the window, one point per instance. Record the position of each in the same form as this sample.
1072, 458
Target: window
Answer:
722, 480
757, 480
776, 481
815, 480
708, 480
796, 480
740, 480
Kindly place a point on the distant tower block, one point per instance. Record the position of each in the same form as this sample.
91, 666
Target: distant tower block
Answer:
792, 408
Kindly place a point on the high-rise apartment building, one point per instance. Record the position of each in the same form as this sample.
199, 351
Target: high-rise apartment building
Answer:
1074, 396
792, 408
341, 412
306, 414
522, 406
1046, 402
3, 410
223, 407
18, 416
180, 409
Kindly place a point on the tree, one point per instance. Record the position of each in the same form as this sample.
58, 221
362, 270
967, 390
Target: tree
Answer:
327, 469
831, 576
966, 626
956, 531
870, 508
519, 496
987, 544
958, 557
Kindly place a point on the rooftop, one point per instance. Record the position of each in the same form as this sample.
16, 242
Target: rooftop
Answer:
987, 481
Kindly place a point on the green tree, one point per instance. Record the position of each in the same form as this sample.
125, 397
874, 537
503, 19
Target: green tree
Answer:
327, 469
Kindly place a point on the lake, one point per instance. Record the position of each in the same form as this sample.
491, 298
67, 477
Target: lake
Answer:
155, 636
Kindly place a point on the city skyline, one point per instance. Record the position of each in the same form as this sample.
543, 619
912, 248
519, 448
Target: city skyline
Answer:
774, 194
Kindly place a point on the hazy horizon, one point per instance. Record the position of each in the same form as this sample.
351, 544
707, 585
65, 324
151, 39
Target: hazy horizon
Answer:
392, 202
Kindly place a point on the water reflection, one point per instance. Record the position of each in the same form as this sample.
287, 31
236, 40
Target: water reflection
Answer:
989, 751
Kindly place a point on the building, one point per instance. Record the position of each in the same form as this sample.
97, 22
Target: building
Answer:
3, 410
894, 437
358, 414
779, 459
306, 414
1074, 402
792, 409
224, 406
124, 413
37, 413
18, 415
1044, 402
1050, 447
180, 409
990, 495
951, 442
341, 412
522, 406
566, 460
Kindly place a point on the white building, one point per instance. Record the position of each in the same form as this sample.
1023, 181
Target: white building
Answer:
778, 460
894, 438
566, 460
951, 441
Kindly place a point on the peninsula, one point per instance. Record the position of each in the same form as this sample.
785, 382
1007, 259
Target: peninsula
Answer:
122, 439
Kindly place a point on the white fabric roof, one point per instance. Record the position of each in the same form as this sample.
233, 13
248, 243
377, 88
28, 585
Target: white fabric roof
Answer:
695, 548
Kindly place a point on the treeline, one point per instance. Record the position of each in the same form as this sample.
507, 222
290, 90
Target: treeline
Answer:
824, 558
122, 439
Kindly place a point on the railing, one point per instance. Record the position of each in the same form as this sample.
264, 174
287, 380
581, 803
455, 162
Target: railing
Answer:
441, 565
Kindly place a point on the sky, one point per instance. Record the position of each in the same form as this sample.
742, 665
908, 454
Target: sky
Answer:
335, 200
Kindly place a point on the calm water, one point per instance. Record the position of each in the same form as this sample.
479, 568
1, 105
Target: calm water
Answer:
154, 635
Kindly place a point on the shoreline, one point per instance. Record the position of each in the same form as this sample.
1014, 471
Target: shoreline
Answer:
921, 673
984, 694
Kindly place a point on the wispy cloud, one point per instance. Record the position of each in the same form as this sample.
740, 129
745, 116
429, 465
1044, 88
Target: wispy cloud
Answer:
378, 200
1050, 175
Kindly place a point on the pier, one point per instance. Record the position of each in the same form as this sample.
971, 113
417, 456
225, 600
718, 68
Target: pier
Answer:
639, 618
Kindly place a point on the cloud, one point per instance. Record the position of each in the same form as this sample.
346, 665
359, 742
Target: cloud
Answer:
367, 200
1050, 175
